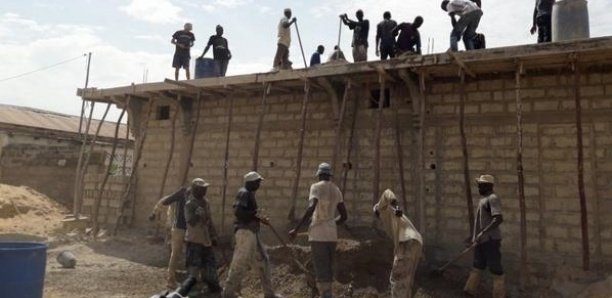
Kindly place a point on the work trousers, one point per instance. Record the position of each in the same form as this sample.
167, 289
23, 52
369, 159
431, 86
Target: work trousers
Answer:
488, 254
202, 265
281, 59
177, 238
360, 53
222, 66
248, 252
323, 257
404, 268
544, 24
466, 26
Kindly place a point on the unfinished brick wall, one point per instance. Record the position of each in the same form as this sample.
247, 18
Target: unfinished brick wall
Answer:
110, 202
549, 158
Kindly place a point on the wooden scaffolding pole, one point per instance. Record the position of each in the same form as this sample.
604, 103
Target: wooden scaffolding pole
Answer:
78, 180
584, 221
300, 151
98, 200
421, 153
194, 131
521, 177
230, 113
349, 150
127, 141
377, 133
262, 113
162, 187
339, 125
400, 154
466, 164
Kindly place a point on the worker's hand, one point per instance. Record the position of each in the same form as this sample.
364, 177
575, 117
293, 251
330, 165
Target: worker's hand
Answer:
152, 217
399, 213
265, 220
478, 237
292, 234
468, 241
533, 30
201, 56
294, 20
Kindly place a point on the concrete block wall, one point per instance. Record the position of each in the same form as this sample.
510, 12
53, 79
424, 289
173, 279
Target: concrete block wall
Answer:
111, 198
549, 158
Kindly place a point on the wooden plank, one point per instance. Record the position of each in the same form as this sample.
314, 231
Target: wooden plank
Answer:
521, 177
466, 165
262, 112
300, 152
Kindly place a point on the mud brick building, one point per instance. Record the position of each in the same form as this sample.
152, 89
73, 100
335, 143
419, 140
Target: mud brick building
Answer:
401, 124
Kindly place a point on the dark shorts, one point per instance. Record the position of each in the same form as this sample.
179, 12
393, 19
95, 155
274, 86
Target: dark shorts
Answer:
323, 255
181, 60
200, 256
488, 254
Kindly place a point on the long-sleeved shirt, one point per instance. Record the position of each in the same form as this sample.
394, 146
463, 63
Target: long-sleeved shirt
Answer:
200, 227
179, 197
360, 31
409, 38
245, 210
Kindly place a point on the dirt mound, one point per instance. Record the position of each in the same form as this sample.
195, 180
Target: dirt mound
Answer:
24, 210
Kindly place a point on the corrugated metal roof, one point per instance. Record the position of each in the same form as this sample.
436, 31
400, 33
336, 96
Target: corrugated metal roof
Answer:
40, 119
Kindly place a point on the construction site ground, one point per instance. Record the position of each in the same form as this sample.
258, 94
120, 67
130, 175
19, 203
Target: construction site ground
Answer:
132, 264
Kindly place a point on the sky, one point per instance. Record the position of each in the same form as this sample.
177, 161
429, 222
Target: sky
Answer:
130, 39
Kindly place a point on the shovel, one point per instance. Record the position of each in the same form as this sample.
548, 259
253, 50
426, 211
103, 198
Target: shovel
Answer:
440, 270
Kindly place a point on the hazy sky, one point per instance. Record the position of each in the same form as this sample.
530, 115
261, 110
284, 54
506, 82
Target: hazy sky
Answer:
128, 37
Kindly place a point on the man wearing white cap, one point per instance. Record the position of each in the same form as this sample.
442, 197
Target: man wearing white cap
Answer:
487, 238
201, 236
248, 251
324, 199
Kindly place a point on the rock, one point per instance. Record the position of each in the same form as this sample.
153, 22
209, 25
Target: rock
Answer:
67, 259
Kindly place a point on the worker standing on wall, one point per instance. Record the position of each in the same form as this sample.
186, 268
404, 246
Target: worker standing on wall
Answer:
407, 244
469, 18
360, 28
409, 39
324, 199
248, 250
487, 239
221, 52
183, 39
201, 236
281, 59
315, 59
385, 41
542, 20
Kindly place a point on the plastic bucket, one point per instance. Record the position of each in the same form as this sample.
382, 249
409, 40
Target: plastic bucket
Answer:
22, 269
570, 20
206, 68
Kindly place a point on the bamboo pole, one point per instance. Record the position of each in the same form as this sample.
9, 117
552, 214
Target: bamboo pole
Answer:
98, 200
377, 133
420, 154
521, 177
226, 160
349, 150
298, 165
400, 155
127, 141
78, 180
584, 222
187, 160
262, 113
138, 154
339, 125
466, 165
171, 151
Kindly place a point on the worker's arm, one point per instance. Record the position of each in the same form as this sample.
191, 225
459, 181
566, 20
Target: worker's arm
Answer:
535, 16
342, 211
305, 218
418, 43
378, 37
396, 30
496, 221
208, 45
288, 24
211, 227
242, 209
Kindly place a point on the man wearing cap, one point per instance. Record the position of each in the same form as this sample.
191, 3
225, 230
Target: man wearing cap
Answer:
176, 215
248, 249
201, 236
487, 239
324, 199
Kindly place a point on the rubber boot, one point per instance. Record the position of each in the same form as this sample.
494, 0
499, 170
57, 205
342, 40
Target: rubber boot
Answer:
325, 289
471, 285
499, 289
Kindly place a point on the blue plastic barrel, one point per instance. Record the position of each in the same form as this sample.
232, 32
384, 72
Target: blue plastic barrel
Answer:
22, 269
570, 20
206, 68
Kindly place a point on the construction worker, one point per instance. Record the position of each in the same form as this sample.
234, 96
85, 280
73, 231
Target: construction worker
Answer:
407, 244
183, 39
315, 59
486, 238
324, 199
466, 26
177, 233
409, 39
385, 41
281, 59
221, 52
248, 250
337, 55
360, 28
201, 236
542, 20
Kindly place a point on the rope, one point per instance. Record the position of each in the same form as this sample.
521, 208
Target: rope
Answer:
42, 68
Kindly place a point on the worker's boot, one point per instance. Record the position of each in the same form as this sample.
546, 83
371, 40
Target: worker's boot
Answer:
325, 289
499, 288
471, 285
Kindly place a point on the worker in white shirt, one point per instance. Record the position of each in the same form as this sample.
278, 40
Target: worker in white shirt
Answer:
469, 17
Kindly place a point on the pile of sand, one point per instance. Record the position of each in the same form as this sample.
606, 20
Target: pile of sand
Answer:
26, 211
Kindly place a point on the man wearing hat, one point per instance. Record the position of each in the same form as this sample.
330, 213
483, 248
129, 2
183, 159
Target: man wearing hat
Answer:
487, 239
248, 250
201, 236
324, 199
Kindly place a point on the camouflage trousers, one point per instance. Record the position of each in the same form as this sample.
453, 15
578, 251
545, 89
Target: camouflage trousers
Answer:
404, 268
248, 253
